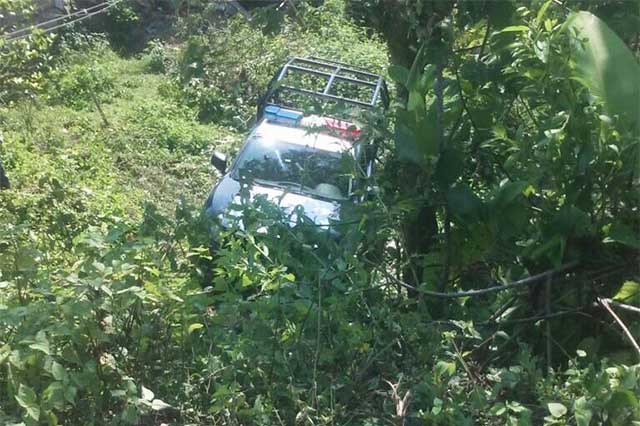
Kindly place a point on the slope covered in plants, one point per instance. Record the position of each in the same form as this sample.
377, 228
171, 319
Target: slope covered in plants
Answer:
500, 160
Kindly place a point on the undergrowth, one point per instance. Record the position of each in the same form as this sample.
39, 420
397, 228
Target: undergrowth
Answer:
103, 246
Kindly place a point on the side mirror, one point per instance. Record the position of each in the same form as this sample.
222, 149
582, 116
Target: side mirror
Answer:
219, 161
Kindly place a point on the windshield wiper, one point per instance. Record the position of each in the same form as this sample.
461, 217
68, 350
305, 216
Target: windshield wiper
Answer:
298, 188
280, 183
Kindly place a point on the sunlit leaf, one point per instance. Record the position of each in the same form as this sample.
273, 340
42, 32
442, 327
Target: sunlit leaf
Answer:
514, 29
28, 400
158, 405
195, 326
556, 409
582, 412
147, 394
630, 290
606, 65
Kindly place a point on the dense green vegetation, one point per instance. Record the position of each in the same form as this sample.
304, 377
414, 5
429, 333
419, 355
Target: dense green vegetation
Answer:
512, 149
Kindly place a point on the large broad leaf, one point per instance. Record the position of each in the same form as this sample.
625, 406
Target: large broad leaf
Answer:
449, 167
464, 203
556, 409
622, 234
606, 66
582, 412
508, 193
399, 74
28, 400
415, 137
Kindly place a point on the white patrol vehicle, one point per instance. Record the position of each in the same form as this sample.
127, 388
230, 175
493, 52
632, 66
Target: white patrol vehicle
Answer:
295, 158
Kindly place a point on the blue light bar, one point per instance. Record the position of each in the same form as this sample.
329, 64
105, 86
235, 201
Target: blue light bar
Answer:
279, 115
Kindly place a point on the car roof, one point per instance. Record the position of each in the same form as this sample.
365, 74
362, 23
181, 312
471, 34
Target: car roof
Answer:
301, 136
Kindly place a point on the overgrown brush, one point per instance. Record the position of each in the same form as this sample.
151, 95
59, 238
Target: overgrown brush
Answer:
103, 316
118, 331
224, 71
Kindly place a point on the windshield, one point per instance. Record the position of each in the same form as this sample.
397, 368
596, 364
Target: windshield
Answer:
297, 167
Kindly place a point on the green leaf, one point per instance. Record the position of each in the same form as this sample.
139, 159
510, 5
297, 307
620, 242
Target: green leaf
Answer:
415, 136
40, 346
570, 221
147, 394
417, 67
54, 395
464, 203
58, 371
130, 415
70, 393
514, 29
606, 65
621, 401
399, 74
193, 327
508, 192
629, 290
5, 351
443, 367
449, 167
27, 259
158, 405
28, 400
498, 409
437, 406
622, 234
556, 409
542, 12
582, 412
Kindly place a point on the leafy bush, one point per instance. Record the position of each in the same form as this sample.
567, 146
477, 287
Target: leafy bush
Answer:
224, 72
119, 328
25, 61
102, 313
76, 78
516, 180
122, 25
156, 57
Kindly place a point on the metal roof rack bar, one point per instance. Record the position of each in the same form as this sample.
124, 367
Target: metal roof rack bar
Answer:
377, 91
331, 62
333, 76
325, 96
343, 67
334, 72
327, 88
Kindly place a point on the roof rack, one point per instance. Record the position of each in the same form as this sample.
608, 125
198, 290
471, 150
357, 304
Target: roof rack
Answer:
329, 74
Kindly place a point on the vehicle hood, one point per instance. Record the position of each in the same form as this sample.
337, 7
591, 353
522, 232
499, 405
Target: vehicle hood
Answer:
321, 212
227, 193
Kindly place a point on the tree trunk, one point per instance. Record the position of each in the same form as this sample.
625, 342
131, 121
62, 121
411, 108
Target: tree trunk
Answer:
4, 180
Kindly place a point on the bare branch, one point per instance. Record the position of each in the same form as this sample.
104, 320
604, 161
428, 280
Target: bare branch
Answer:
605, 304
623, 306
534, 279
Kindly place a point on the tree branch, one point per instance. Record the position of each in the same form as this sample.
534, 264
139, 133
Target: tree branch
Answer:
623, 306
634, 343
485, 39
534, 279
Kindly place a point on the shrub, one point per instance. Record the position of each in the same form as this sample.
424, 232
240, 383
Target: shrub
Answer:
224, 72
83, 71
155, 57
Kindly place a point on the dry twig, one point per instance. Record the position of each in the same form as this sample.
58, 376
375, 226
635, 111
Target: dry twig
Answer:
401, 404
625, 329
